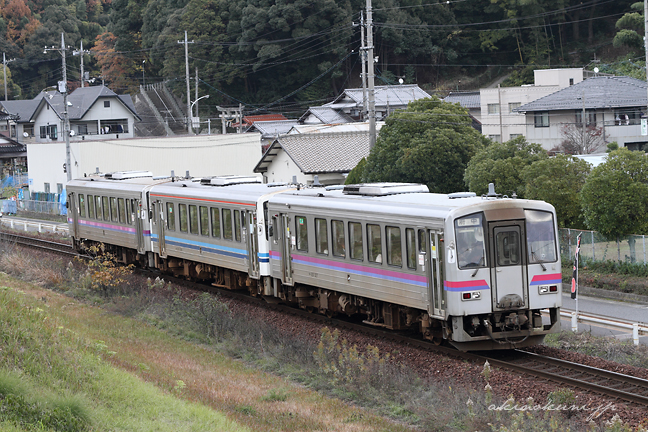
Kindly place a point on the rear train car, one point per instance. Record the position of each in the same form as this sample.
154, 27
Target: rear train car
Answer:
474, 271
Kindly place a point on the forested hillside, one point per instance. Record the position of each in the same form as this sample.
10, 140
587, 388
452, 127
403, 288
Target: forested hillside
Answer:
285, 55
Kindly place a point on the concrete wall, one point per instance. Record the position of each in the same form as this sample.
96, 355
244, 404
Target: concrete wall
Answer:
204, 155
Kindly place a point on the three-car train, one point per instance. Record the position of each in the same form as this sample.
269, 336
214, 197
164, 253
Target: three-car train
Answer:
473, 271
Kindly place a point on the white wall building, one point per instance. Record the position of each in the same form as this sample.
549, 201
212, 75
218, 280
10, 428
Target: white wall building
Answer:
202, 155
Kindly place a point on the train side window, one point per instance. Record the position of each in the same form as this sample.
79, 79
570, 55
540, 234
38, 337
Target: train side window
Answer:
374, 245
394, 249
82, 211
98, 202
302, 233
113, 209
122, 210
128, 212
105, 208
215, 222
227, 224
204, 221
193, 219
182, 212
356, 248
134, 214
321, 237
237, 225
170, 216
422, 241
91, 204
410, 244
337, 230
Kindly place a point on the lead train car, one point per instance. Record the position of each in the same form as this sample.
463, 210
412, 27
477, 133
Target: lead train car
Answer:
475, 271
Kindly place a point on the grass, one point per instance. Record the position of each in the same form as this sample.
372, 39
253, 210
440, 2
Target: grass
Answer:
154, 359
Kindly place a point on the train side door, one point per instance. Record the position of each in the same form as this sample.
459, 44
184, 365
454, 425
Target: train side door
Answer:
508, 272
252, 243
73, 212
161, 221
429, 242
286, 258
138, 226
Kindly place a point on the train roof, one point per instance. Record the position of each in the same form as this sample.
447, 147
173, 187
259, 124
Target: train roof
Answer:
247, 192
419, 204
107, 183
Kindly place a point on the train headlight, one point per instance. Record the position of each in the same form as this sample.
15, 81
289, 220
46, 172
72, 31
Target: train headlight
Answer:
474, 295
547, 289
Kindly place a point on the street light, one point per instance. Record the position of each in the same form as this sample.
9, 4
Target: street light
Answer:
196, 120
143, 65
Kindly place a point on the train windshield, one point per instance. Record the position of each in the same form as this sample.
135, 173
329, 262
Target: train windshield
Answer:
471, 249
541, 238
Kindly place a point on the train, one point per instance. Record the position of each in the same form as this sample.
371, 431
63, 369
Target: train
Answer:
475, 272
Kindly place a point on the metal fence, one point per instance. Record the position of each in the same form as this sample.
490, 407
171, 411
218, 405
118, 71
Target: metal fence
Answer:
597, 247
48, 207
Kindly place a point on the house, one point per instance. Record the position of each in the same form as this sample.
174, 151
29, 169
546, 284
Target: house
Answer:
471, 101
328, 155
13, 157
348, 106
500, 119
92, 111
270, 130
612, 105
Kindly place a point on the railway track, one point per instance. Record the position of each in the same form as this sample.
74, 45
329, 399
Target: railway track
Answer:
618, 387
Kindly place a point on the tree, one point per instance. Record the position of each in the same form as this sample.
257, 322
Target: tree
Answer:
503, 164
577, 141
356, 174
558, 181
615, 195
431, 143
629, 25
13, 90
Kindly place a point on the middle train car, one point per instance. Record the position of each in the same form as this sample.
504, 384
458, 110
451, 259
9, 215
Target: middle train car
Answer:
475, 271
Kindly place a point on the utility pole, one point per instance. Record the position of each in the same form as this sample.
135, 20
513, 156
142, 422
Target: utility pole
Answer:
363, 54
186, 48
81, 53
370, 65
646, 42
583, 120
196, 97
4, 64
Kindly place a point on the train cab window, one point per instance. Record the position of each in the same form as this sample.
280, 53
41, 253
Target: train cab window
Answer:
321, 237
122, 210
374, 244
394, 248
182, 213
337, 231
227, 224
193, 219
302, 233
356, 248
98, 206
105, 208
113, 208
471, 248
541, 238
204, 221
410, 245
82, 211
507, 248
215, 222
91, 204
237, 225
170, 216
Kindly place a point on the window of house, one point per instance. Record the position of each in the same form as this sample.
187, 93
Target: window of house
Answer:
624, 117
541, 119
215, 222
590, 117
59, 188
374, 245
82, 211
29, 130
47, 187
193, 219
514, 105
321, 237
337, 232
302, 233
170, 216
227, 224
107, 104
13, 131
91, 204
394, 249
496, 138
82, 129
182, 213
204, 221
356, 249
513, 136
571, 81
493, 108
121, 208
410, 244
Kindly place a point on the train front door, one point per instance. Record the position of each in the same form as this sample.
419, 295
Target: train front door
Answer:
508, 272
252, 244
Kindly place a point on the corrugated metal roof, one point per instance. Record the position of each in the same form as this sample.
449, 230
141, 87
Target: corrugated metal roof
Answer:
329, 128
385, 95
327, 115
465, 99
271, 129
597, 92
320, 152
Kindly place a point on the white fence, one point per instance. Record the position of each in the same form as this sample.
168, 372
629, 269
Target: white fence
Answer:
636, 327
596, 247
27, 225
